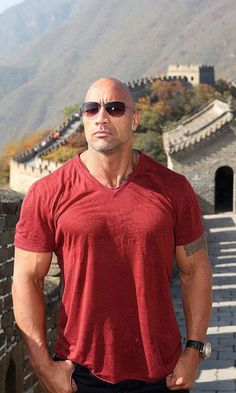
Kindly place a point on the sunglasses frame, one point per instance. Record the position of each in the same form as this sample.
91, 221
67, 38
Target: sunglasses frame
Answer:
107, 106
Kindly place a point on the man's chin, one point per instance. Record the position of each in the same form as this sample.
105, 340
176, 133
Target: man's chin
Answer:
106, 148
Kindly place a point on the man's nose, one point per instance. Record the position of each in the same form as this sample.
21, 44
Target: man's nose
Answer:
102, 116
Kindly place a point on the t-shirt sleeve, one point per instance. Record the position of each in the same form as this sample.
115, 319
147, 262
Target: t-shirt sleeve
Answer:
189, 216
35, 228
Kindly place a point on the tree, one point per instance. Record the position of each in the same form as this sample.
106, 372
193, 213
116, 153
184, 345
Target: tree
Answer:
69, 110
151, 144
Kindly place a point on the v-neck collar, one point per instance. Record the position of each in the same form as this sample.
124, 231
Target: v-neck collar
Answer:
108, 189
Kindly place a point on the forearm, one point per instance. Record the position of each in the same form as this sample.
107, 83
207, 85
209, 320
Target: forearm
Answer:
29, 310
196, 297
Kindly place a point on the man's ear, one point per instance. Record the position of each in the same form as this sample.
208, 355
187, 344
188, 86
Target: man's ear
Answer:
135, 121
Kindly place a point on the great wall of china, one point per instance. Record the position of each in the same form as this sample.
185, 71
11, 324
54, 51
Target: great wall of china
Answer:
30, 166
216, 139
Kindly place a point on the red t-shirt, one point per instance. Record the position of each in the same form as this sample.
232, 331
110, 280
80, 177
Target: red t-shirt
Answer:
115, 248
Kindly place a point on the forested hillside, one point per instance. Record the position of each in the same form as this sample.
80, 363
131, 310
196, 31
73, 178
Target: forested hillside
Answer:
50, 50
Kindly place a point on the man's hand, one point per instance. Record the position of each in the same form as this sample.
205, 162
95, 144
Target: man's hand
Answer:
185, 372
57, 377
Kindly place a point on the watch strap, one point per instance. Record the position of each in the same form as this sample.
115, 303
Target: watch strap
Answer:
195, 344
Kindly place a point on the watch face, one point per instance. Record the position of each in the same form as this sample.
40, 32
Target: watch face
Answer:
207, 350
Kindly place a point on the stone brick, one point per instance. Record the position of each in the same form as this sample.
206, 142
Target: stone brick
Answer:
11, 220
37, 388
52, 308
2, 351
2, 338
6, 269
10, 252
3, 254
51, 335
29, 381
2, 222
7, 319
1, 305
8, 221
5, 286
7, 237
10, 334
7, 301
10, 202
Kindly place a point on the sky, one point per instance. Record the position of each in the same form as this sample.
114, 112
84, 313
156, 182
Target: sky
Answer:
4, 4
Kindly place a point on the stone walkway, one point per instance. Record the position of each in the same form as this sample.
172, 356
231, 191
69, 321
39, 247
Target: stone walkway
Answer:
218, 374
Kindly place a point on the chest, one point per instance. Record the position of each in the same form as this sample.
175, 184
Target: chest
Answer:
123, 216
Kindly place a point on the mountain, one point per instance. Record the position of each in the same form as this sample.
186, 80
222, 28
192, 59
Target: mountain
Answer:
51, 50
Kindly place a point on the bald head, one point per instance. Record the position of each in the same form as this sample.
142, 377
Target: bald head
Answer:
109, 89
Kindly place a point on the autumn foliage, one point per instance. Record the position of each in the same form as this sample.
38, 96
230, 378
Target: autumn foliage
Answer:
168, 102
74, 144
13, 148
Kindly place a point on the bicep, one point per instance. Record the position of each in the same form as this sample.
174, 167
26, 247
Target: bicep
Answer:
193, 256
29, 264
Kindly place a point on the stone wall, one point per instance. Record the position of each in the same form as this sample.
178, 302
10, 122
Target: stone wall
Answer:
200, 163
16, 375
23, 175
11, 350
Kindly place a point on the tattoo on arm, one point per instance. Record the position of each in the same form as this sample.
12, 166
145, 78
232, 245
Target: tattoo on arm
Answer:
196, 245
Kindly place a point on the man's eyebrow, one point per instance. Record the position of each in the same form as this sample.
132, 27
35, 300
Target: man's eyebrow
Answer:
196, 245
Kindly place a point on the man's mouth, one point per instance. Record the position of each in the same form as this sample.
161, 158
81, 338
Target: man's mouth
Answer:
102, 133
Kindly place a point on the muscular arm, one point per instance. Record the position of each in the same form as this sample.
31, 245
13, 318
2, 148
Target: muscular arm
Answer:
195, 276
30, 269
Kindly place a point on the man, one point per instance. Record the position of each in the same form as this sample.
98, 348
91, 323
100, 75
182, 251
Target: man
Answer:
115, 219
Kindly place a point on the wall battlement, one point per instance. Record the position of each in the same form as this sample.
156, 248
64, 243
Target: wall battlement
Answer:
22, 176
195, 73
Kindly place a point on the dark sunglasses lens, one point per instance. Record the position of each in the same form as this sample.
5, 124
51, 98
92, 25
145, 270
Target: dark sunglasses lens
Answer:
90, 108
115, 109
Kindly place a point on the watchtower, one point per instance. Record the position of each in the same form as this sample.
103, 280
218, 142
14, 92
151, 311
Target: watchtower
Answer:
195, 74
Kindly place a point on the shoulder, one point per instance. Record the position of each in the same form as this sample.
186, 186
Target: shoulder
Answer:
168, 178
49, 189
53, 182
172, 186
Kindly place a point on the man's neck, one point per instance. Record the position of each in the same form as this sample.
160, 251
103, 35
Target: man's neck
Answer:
111, 170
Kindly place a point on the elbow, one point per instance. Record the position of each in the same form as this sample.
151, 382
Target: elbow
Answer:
201, 274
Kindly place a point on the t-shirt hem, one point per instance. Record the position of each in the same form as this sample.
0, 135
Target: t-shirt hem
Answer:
118, 377
32, 248
190, 238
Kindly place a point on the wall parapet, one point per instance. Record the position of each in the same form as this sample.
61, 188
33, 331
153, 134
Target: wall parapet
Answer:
22, 176
16, 375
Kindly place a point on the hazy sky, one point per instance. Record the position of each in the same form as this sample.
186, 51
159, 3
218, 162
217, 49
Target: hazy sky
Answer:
4, 4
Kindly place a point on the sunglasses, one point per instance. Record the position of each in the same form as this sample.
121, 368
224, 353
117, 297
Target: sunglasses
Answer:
114, 108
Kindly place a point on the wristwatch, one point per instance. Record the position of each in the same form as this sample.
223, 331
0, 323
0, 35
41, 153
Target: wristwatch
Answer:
203, 348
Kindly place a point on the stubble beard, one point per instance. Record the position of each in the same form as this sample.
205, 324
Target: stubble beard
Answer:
108, 147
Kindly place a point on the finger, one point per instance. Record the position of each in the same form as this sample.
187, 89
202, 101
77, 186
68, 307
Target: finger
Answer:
170, 382
179, 381
74, 386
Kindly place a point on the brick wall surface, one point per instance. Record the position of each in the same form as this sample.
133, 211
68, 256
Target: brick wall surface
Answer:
199, 164
16, 375
11, 350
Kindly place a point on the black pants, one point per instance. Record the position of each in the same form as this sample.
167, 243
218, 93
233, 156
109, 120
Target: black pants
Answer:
87, 382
